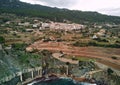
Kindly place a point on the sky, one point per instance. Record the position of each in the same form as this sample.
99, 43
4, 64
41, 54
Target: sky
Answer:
109, 7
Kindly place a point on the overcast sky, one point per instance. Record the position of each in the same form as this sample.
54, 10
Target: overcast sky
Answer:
110, 7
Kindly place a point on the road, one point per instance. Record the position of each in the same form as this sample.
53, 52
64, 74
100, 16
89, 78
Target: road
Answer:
57, 56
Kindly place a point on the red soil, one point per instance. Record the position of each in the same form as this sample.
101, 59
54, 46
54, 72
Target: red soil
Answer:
103, 55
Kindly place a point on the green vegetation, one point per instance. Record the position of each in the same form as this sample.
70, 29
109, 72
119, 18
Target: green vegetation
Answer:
109, 71
17, 18
31, 60
95, 43
2, 40
19, 46
16, 59
55, 14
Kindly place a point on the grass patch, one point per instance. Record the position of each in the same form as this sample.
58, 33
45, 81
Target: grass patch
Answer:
80, 58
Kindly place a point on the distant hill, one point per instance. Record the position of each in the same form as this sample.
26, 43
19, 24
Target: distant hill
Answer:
55, 14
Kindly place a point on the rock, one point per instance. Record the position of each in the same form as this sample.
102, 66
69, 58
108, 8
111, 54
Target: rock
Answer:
29, 49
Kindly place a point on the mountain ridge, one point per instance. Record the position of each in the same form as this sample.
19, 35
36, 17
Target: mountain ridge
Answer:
25, 9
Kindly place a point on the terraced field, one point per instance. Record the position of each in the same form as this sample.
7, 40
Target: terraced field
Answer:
103, 55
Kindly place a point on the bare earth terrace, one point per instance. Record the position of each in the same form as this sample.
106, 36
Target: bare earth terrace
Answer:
103, 55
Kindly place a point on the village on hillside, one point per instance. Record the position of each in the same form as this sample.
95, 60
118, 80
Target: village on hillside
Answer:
79, 51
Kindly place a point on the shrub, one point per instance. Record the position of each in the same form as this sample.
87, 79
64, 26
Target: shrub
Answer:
113, 57
109, 71
19, 46
2, 40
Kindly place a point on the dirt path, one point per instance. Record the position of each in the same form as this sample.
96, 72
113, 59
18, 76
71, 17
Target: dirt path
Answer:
57, 56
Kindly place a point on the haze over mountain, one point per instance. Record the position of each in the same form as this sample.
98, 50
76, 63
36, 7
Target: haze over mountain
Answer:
102, 6
55, 14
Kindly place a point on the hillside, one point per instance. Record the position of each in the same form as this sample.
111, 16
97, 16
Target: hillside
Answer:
29, 40
55, 14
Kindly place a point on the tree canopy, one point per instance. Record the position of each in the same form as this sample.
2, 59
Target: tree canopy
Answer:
55, 14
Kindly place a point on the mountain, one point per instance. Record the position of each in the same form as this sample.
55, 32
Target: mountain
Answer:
55, 14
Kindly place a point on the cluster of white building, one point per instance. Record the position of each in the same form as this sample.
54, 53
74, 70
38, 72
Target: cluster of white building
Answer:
61, 26
53, 25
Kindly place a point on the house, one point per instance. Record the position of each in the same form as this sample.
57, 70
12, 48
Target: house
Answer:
8, 22
40, 28
45, 25
101, 33
95, 37
24, 24
13, 32
36, 21
29, 30
36, 25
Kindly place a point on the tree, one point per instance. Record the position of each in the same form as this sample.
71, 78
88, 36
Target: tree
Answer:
109, 71
2, 40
